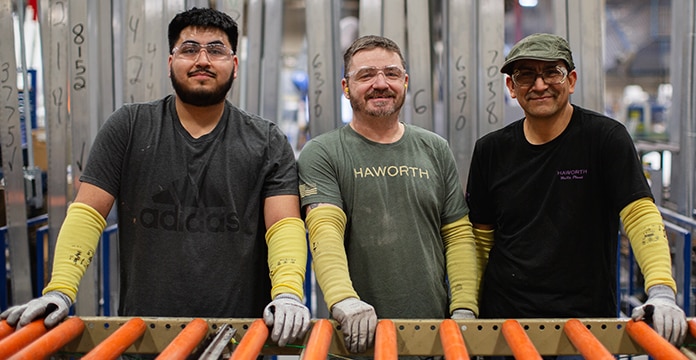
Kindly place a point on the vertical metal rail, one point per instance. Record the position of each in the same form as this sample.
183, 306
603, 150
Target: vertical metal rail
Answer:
54, 40
682, 122
254, 54
80, 39
134, 45
586, 41
155, 50
12, 161
235, 9
272, 62
395, 26
491, 82
323, 68
419, 65
371, 18
461, 80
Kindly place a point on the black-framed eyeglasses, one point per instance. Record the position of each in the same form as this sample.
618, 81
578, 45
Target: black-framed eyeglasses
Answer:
368, 74
526, 78
191, 50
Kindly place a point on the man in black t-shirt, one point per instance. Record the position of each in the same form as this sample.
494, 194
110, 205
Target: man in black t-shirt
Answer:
546, 194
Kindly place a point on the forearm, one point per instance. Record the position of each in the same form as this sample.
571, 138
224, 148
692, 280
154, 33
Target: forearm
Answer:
646, 233
326, 225
484, 243
460, 256
75, 247
287, 256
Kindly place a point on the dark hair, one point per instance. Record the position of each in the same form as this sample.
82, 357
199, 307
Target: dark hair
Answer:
203, 17
370, 42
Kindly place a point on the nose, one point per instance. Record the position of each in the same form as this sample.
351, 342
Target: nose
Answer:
539, 82
199, 57
380, 81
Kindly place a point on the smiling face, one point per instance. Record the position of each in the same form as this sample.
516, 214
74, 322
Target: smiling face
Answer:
380, 95
541, 100
202, 81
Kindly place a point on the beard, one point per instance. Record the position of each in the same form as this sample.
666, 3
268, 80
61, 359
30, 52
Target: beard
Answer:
200, 97
360, 105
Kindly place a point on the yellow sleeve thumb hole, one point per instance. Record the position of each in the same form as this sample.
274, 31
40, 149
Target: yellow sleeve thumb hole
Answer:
287, 256
646, 232
75, 247
326, 225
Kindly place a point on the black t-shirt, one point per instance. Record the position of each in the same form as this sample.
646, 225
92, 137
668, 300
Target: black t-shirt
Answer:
555, 211
191, 226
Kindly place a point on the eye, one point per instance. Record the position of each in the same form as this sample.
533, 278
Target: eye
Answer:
393, 73
366, 74
189, 49
216, 50
526, 75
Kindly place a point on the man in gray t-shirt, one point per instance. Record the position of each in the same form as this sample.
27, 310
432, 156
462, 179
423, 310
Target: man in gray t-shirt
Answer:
388, 223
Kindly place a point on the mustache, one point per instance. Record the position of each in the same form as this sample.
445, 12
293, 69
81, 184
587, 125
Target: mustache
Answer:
380, 94
547, 92
202, 71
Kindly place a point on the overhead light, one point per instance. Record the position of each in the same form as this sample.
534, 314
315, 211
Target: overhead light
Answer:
529, 3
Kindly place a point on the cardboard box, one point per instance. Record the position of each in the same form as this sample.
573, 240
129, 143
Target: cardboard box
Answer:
38, 137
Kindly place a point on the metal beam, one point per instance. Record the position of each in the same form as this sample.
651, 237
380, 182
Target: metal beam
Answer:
323, 66
12, 159
414, 337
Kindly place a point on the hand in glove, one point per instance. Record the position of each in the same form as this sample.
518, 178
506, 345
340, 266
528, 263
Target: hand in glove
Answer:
463, 314
54, 306
668, 319
289, 318
358, 322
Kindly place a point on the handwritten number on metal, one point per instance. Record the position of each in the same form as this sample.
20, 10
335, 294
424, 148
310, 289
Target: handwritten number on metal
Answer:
420, 109
492, 73
316, 67
461, 94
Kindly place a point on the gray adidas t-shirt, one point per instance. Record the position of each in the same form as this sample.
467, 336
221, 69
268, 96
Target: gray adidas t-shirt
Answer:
191, 227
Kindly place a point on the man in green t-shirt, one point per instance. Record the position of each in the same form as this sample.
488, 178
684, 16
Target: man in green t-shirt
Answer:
387, 218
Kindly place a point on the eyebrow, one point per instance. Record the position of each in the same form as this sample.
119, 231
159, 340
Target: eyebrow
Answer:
196, 42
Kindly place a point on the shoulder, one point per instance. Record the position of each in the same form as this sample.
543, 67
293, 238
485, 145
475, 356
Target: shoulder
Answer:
424, 137
247, 124
144, 111
330, 137
598, 124
504, 135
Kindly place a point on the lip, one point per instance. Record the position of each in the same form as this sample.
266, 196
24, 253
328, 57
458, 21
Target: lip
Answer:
541, 98
201, 74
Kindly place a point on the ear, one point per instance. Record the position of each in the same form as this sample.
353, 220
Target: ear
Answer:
346, 91
511, 86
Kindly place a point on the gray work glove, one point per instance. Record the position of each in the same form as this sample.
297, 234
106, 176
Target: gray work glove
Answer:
463, 314
358, 322
289, 318
668, 319
54, 306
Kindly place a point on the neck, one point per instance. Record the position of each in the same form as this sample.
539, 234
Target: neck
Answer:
540, 130
199, 120
380, 130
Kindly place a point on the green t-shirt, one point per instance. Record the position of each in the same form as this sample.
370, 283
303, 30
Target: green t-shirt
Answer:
396, 198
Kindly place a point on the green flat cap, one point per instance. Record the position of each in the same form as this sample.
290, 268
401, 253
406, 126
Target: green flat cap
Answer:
545, 47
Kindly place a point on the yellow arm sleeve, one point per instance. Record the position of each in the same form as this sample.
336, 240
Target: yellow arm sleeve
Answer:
460, 255
326, 225
646, 232
75, 247
287, 256
484, 243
